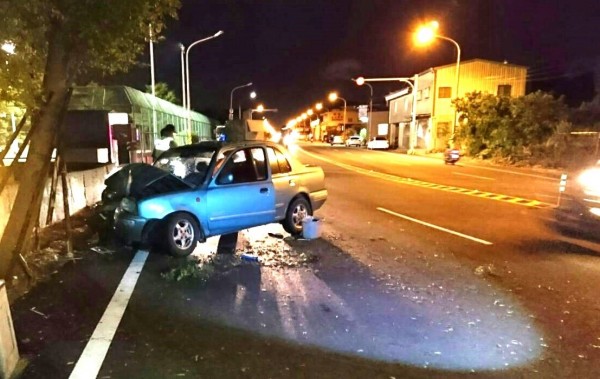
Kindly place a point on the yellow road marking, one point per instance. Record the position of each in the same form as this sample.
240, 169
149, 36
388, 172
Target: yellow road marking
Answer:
440, 187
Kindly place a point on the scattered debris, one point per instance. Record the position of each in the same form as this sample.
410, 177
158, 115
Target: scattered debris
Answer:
488, 269
276, 235
38, 312
102, 250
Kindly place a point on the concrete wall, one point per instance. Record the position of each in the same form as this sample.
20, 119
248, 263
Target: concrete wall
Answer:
85, 189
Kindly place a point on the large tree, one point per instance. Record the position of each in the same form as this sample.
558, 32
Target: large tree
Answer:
55, 41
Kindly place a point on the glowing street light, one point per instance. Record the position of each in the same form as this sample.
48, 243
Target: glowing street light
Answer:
333, 96
425, 34
319, 106
413, 86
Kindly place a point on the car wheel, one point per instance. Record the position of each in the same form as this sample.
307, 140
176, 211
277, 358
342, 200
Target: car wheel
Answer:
181, 234
297, 211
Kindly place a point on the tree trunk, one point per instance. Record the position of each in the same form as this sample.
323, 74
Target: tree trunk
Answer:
35, 170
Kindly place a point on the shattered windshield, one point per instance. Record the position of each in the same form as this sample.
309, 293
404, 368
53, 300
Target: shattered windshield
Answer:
189, 166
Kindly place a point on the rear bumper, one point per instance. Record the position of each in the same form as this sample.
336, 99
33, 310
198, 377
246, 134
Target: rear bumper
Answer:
317, 199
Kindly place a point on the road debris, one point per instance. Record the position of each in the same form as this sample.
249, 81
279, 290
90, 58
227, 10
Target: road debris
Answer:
38, 312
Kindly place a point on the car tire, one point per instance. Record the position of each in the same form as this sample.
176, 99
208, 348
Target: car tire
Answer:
181, 234
298, 209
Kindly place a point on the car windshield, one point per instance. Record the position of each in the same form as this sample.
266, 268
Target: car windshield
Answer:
380, 139
189, 165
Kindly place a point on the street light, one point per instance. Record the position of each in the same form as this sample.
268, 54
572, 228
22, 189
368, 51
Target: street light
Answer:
360, 81
258, 109
333, 96
413, 86
231, 98
426, 34
187, 77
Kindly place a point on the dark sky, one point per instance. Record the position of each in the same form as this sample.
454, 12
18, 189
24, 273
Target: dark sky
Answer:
296, 51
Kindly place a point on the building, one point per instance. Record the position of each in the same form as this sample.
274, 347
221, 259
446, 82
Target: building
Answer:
434, 90
332, 122
119, 124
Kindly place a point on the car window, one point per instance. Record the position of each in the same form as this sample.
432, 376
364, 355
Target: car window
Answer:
273, 161
260, 164
239, 168
278, 162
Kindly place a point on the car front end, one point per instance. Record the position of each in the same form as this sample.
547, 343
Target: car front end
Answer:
579, 207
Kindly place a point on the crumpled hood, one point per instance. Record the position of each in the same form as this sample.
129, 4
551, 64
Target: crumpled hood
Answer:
141, 180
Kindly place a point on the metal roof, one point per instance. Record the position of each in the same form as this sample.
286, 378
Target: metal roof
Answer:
126, 99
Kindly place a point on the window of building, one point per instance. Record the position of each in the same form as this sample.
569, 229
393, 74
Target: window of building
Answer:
504, 90
445, 92
426, 93
419, 95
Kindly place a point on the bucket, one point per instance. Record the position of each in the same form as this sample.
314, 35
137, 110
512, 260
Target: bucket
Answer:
311, 227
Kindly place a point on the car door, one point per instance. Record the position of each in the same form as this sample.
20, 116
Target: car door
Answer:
241, 195
284, 181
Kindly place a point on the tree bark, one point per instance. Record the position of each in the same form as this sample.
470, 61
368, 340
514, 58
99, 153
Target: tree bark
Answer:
35, 170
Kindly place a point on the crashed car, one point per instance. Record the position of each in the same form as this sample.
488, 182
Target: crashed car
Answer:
579, 208
211, 188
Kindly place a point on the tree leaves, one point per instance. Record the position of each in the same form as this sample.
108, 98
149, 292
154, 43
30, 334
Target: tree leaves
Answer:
501, 126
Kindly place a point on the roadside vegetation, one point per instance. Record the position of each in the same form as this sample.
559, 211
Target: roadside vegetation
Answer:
535, 129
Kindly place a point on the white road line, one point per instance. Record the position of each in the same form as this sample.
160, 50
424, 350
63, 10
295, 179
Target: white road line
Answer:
93, 355
473, 176
434, 226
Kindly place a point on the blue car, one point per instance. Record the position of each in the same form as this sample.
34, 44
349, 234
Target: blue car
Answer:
211, 188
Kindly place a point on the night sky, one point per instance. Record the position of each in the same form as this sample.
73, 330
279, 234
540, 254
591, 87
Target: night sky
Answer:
295, 52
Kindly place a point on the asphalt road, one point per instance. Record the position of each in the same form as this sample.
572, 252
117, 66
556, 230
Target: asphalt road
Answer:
424, 270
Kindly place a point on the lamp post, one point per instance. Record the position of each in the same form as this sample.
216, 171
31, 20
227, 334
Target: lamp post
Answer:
426, 34
231, 98
333, 97
187, 77
413, 86
183, 100
360, 81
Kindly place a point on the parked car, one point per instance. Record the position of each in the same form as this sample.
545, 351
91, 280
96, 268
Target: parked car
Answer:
378, 142
211, 188
354, 141
336, 140
579, 207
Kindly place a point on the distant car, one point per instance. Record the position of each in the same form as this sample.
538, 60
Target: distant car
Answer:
197, 191
579, 209
354, 141
379, 142
337, 140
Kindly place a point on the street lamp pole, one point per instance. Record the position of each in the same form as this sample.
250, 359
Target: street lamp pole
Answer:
183, 98
333, 97
370, 104
413, 86
187, 77
455, 80
425, 34
231, 98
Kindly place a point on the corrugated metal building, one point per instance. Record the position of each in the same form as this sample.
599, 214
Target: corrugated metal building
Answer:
434, 90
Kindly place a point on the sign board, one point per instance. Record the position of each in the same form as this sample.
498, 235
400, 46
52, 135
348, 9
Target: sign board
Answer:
363, 113
118, 118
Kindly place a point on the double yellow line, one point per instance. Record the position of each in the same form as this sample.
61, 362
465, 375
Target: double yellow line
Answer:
440, 187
